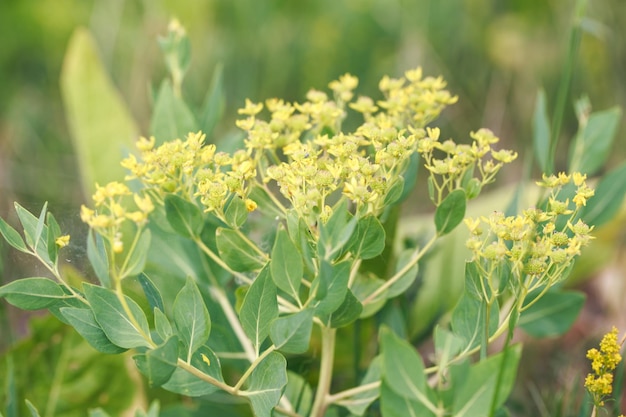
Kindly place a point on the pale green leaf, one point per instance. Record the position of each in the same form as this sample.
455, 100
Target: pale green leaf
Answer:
98, 258
553, 314
214, 102
101, 127
359, 403
136, 260
403, 369
171, 118
184, 383
592, 145
83, 320
266, 383
450, 212
121, 330
292, 333
184, 216
12, 237
32, 293
286, 264
608, 198
238, 253
259, 309
191, 317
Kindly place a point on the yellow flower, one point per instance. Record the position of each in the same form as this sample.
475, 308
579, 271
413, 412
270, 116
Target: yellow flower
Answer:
603, 362
62, 241
250, 205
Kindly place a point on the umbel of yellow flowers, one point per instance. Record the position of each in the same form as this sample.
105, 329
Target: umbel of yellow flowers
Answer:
603, 362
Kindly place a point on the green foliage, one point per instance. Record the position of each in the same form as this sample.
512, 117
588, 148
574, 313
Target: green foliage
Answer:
101, 126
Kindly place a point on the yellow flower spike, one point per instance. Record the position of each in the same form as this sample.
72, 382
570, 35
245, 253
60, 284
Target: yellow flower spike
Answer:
603, 362
62, 241
145, 145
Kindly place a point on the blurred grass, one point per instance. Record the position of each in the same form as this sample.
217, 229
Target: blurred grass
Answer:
494, 55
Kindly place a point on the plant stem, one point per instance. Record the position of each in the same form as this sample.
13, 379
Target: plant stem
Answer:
252, 367
218, 295
322, 393
416, 257
352, 392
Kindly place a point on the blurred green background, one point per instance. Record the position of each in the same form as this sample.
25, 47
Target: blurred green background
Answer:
495, 56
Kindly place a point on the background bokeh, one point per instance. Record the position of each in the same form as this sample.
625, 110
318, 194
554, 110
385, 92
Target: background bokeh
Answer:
495, 56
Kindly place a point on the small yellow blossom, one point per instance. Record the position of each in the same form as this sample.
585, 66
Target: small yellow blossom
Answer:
62, 241
250, 205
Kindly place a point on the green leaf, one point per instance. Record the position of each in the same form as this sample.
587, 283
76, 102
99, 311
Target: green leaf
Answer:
488, 383
408, 277
191, 317
336, 232
235, 212
30, 224
101, 126
161, 362
292, 333
32, 293
41, 222
266, 383
403, 370
447, 346
395, 192
541, 132
468, 320
136, 260
368, 240
331, 286
152, 292
359, 403
171, 117
301, 236
83, 320
12, 237
347, 313
97, 255
54, 231
593, 142
259, 309
32, 409
184, 383
450, 212
162, 324
286, 264
363, 287
238, 253
214, 102
299, 393
395, 405
607, 201
553, 314
184, 216
265, 202
112, 318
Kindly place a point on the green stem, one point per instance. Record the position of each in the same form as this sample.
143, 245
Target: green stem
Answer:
331, 399
252, 367
416, 257
326, 372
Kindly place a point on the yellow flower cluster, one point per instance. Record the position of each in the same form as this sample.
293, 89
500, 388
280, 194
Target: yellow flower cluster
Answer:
450, 171
537, 245
302, 149
603, 362
193, 170
111, 212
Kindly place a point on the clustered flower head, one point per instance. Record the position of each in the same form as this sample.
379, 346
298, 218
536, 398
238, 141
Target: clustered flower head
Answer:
450, 163
603, 362
111, 211
537, 245
302, 148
